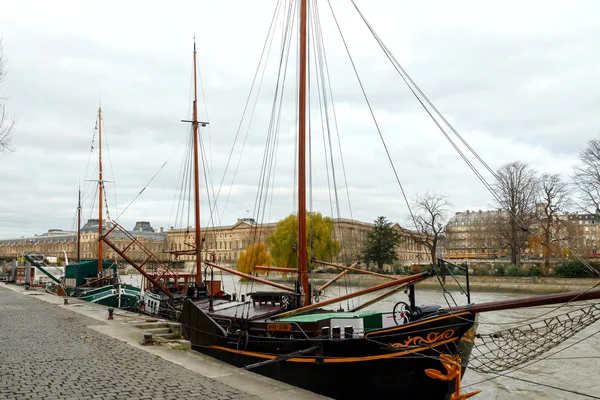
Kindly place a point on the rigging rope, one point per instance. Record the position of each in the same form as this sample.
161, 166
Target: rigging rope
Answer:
414, 88
373, 117
509, 348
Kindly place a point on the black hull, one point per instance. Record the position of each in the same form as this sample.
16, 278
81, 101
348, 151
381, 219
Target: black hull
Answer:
402, 378
385, 363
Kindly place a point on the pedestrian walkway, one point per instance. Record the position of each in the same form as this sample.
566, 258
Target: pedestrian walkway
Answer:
52, 351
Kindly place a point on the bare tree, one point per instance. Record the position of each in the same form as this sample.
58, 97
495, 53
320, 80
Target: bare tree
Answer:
553, 199
587, 175
429, 214
516, 187
7, 122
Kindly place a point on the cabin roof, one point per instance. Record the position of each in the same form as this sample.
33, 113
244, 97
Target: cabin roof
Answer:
327, 315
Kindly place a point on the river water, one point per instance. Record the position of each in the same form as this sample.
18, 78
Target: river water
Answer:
575, 367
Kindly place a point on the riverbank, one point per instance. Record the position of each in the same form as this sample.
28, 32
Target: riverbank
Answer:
501, 284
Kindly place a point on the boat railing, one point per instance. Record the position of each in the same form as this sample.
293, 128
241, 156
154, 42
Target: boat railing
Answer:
444, 270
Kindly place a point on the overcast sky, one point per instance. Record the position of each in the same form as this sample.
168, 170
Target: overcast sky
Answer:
519, 80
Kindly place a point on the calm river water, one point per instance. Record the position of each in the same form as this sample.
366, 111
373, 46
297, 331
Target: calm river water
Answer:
576, 368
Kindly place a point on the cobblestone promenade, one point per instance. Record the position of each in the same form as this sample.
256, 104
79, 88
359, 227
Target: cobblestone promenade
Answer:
46, 352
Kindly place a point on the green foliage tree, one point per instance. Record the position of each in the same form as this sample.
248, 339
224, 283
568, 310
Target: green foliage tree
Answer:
255, 254
380, 243
575, 269
283, 243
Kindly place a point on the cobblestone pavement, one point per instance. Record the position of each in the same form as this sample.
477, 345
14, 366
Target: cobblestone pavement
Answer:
46, 352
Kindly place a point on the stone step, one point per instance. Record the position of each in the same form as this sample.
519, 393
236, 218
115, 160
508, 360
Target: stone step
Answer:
150, 325
171, 335
159, 331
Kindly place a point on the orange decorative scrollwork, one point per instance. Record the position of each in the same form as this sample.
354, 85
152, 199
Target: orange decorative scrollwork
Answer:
432, 337
469, 335
453, 368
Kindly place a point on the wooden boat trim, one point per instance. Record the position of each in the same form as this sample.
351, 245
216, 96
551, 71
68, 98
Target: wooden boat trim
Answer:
425, 321
337, 360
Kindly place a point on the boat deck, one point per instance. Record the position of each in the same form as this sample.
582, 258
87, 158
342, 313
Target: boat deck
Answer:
237, 309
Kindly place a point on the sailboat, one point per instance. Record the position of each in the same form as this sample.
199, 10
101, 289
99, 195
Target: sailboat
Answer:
94, 280
410, 351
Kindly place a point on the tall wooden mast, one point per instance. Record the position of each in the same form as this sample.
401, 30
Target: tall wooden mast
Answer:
198, 241
302, 254
79, 227
100, 185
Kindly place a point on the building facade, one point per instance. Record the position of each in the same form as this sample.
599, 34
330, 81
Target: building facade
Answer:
470, 235
221, 243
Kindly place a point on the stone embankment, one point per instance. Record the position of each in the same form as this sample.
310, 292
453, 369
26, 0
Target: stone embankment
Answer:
476, 283
51, 350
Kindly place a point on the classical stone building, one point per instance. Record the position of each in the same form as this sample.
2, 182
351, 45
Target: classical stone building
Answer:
583, 234
469, 235
63, 244
224, 243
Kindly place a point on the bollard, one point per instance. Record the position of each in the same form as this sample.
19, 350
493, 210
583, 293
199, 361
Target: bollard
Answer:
65, 301
147, 339
110, 313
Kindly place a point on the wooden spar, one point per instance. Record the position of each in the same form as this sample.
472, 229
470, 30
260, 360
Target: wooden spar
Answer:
100, 184
362, 271
198, 241
254, 278
382, 297
276, 269
529, 301
395, 282
302, 256
152, 279
79, 228
335, 278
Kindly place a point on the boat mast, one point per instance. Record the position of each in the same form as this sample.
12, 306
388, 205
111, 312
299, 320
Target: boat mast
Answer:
302, 273
100, 185
79, 227
198, 241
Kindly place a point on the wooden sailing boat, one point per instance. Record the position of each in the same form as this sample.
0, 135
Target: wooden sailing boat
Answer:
283, 336
345, 355
94, 280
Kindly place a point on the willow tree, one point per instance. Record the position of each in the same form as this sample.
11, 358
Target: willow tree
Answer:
254, 255
283, 243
